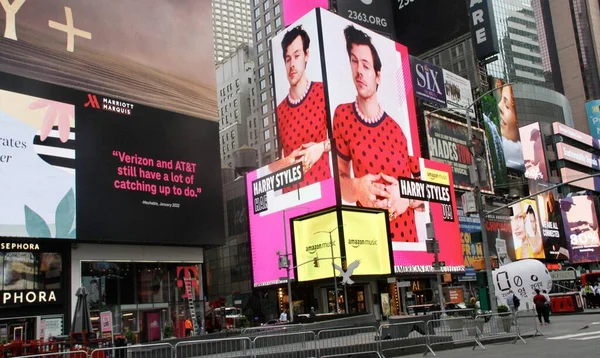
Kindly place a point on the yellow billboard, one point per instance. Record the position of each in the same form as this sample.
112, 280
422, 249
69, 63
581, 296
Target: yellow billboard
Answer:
366, 241
312, 241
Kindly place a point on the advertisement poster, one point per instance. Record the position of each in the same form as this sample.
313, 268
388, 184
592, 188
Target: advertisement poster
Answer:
502, 130
458, 94
581, 157
302, 181
375, 15
123, 51
106, 322
592, 110
50, 327
293, 10
157, 172
574, 134
18, 271
468, 225
428, 81
534, 154
555, 243
312, 241
448, 142
527, 231
580, 220
500, 237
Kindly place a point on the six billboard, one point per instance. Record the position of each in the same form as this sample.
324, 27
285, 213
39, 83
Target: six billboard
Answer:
428, 81
65, 148
580, 219
448, 142
534, 154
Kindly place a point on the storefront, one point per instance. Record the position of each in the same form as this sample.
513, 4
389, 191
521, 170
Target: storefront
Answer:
35, 292
145, 288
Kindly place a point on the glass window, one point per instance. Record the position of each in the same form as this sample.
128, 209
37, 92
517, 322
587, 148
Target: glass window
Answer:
268, 29
265, 122
257, 24
261, 59
267, 146
261, 72
278, 22
237, 82
267, 134
263, 84
258, 36
265, 109
257, 13
30, 271
277, 9
267, 17
266, 5
260, 47
263, 96
236, 113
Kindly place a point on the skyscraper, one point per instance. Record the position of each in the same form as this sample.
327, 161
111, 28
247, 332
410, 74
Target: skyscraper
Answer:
231, 26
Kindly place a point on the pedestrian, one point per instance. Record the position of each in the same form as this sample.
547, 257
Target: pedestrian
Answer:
589, 293
539, 301
510, 301
312, 313
189, 326
283, 317
547, 307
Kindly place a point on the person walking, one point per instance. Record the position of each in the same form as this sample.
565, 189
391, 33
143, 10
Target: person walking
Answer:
189, 327
546, 306
283, 318
539, 302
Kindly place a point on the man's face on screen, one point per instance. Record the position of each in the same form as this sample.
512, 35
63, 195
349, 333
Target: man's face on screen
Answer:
365, 78
295, 61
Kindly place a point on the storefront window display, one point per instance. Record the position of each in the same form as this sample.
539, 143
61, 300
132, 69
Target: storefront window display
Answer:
144, 297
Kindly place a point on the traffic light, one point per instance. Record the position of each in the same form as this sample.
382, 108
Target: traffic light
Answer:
316, 262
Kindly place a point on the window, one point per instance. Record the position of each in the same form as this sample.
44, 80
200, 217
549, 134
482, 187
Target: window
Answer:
258, 36
249, 80
263, 97
261, 72
263, 84
235, 101
267, 134
265, 109
236, 113
260, 47
265, 122
266, 5
278, 22
268, 29
277, 9
257, 13
257, 24
237, 82
267, 146
255, 2
267, 17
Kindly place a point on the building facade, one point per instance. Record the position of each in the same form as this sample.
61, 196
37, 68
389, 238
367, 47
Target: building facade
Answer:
235, 81
231, 26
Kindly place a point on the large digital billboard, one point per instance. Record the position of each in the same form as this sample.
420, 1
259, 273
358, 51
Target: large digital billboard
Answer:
301, 181
580, 157
374, 127
79, 165
527, 231
428, 81
448, 142
534, 154
580, 220
122, 50
502, 128
459, 96
500, 238
592, 110
469, 225
293, 10
553, 233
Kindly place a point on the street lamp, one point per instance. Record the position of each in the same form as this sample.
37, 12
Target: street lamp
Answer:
337, 304
287, 262
478, 196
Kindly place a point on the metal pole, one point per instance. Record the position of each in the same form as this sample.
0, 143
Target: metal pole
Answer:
436, 259
478, 199
337, 304
346, 298
287, 270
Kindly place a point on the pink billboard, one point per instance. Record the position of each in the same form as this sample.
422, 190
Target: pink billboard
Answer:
295, 9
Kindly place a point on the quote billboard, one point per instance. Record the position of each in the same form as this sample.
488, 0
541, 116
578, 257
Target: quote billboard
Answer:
502, 130
527, 231
302, 180
122, 51
555, 243
79, 165
372, 111
580, 221
448, 142
534, 154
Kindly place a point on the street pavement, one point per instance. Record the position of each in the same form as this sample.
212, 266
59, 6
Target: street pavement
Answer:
566, 336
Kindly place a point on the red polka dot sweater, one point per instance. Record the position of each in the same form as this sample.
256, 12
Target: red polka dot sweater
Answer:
302, 123
375, 148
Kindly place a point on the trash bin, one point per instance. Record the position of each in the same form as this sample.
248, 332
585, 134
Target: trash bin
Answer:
119, 343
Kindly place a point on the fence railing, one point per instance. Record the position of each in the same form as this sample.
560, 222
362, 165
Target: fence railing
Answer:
387, 340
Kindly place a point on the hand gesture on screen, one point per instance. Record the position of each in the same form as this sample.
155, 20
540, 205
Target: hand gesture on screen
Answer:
55, 111
369, 193
312, 153
397, 204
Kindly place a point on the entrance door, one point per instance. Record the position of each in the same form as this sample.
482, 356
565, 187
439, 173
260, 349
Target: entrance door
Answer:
152, 324
18, 332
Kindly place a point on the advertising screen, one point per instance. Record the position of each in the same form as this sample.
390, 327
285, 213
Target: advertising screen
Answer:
302, 180
428, 81
502, 128
581, 228
86, 166
575, 135
534, 154
375, 15
592, 110
458, 94
366, 242
313, 241
448, 142
500, 238
526, 231
553, 233
468, 225
294, 9
124, 51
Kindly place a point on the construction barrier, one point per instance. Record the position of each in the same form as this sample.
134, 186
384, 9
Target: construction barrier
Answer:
221, 348
527, 322
394, 338
297, 345
336, 342
456, 330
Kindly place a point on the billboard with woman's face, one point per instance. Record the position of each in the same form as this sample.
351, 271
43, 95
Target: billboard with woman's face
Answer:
526, 231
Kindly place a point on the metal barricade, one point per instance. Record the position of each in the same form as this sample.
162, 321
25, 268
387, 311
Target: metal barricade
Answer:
453, 313
272, 329
499, 325
527, 323
359, 354
218, 348
72, 354
297, 345
157, 350
455, 330
398, 336
335, 342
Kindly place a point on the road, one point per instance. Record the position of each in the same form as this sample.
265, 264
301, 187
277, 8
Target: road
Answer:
567, 336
